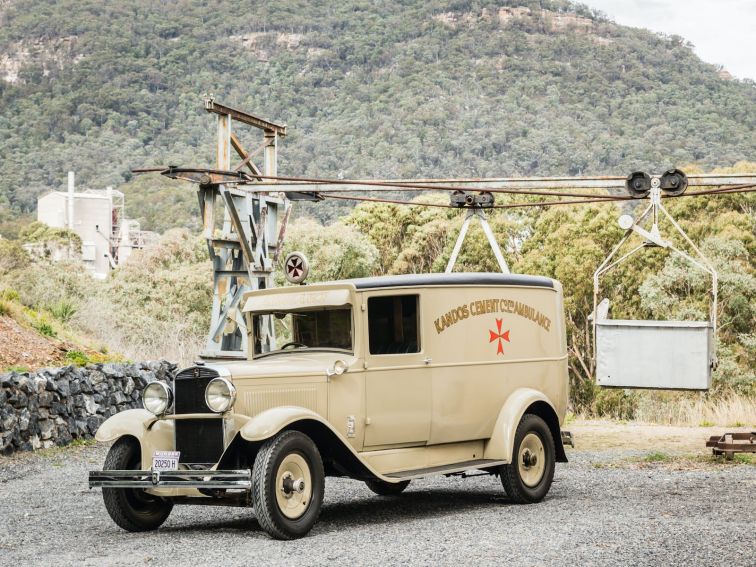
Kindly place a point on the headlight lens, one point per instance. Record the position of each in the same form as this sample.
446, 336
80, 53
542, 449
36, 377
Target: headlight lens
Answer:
157, 398
220, 395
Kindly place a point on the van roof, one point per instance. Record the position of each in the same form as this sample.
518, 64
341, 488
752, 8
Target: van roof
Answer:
454, 279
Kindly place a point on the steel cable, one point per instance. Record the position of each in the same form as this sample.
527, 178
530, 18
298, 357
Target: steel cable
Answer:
727, 190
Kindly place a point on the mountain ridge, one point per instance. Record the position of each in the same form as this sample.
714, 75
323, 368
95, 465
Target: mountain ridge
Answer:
368, 89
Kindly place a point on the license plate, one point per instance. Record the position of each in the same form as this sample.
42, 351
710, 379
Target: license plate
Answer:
165, 460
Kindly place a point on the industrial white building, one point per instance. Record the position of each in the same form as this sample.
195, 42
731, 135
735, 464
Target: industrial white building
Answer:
97, 216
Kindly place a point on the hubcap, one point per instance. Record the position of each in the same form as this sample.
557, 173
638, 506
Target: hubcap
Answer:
293, 486
531, 461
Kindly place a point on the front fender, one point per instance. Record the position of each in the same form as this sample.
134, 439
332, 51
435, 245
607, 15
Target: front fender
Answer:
499, 446
153, 434
130, 422
269, 422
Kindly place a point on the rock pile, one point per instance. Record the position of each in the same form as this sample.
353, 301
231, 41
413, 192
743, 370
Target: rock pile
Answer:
54, 406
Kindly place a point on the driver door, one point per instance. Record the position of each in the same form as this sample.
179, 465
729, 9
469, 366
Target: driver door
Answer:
397, 379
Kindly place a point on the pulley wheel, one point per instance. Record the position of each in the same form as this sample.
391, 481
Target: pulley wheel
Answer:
638, 184
674, 182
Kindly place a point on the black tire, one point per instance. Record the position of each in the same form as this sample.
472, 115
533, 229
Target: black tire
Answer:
265, 492
518, 490
132, 509
382, 488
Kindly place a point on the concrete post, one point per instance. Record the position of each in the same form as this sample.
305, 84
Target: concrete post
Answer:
70, 201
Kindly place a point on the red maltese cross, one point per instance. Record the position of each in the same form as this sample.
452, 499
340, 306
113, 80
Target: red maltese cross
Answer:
499, 336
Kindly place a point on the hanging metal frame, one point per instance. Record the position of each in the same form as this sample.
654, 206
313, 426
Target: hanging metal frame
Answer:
479, 213
655, 211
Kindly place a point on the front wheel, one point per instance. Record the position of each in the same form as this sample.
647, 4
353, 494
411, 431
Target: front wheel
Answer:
133, 509
288, 484
528, 477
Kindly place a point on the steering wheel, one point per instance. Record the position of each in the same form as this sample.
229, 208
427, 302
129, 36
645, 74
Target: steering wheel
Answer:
293, 344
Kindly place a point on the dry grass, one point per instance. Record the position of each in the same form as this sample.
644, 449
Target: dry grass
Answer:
607, 435
173, 340
697, 410
678, 462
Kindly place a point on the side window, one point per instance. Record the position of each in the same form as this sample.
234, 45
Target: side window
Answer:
393, 326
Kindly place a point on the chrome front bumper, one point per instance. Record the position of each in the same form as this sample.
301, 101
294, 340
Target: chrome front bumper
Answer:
240, 480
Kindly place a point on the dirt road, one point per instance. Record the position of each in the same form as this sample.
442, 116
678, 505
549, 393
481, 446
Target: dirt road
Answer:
608, 506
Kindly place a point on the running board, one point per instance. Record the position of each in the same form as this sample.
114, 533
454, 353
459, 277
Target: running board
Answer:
446, 469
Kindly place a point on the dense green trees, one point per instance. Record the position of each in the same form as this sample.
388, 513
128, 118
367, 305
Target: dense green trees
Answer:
335, 252
368, 89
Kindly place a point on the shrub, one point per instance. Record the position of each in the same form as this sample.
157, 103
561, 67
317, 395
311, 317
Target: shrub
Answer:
615, 404
45, 329
12, 256
77, 357
4, 308
9, 294
63, 310
40, 232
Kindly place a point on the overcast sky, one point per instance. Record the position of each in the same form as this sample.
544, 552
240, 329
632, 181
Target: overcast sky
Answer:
723, 31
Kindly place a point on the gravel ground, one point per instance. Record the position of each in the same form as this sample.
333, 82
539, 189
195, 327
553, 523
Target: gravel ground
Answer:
600, 511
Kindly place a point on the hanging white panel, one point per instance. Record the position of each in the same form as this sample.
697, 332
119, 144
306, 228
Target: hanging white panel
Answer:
673, 355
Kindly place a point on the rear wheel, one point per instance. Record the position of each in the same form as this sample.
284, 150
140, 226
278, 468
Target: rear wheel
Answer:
528, 477
133, 509
382, 488
288, 484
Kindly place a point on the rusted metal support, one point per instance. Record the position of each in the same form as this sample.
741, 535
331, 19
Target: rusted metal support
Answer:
731, 443
282, 232
240, 249
244, 117
247, 157
224, 142
271, 154
239, 229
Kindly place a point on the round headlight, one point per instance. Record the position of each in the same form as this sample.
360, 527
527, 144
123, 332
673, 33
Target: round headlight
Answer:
220, 395
157, 398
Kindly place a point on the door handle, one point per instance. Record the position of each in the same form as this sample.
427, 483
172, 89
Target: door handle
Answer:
427, 360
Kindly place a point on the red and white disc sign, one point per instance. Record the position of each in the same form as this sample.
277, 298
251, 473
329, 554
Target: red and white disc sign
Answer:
296, 267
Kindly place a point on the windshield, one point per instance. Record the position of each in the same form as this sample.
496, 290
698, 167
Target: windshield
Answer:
323, 328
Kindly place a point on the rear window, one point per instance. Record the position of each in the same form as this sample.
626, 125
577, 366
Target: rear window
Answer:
393, 324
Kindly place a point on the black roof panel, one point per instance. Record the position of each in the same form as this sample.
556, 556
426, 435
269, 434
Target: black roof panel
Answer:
458, 278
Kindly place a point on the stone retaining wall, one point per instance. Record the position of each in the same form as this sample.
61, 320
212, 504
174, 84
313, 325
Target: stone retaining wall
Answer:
54, 406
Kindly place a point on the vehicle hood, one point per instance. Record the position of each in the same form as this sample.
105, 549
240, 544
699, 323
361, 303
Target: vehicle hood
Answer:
286, 364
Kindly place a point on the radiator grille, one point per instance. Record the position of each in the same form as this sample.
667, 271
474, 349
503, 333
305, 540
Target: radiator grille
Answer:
189, 391
199, 440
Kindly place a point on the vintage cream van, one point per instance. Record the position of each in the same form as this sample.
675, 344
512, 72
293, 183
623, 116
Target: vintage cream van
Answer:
383, 380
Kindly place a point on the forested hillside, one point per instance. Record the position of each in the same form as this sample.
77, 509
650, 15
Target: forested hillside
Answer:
368, 89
